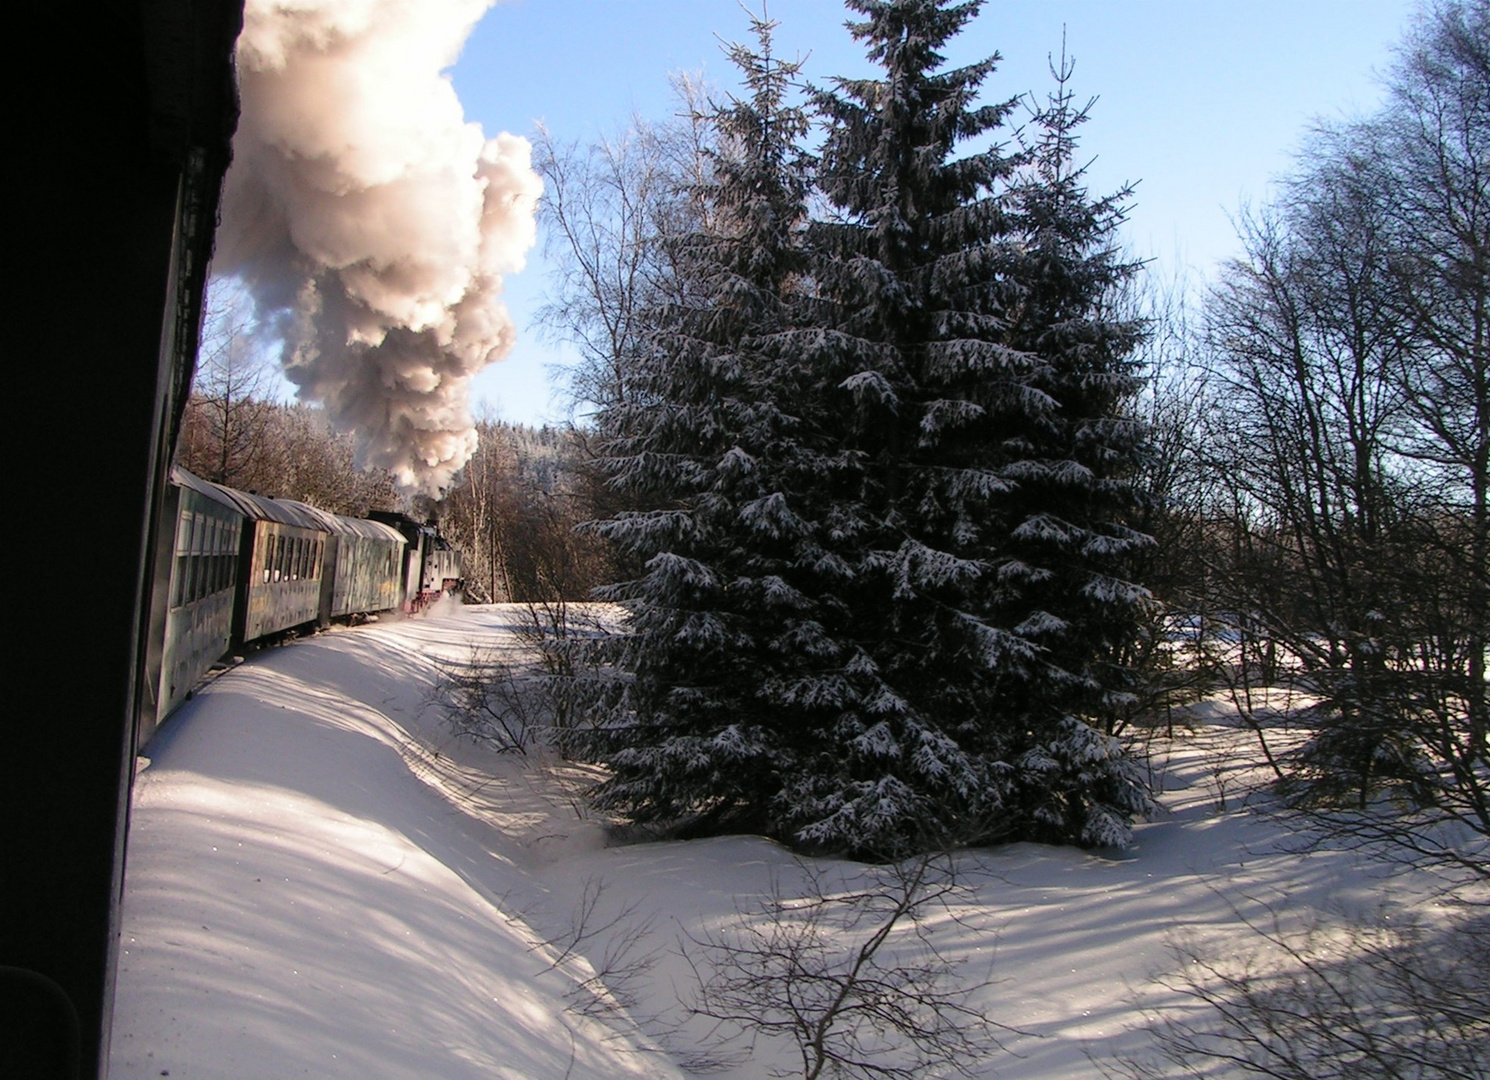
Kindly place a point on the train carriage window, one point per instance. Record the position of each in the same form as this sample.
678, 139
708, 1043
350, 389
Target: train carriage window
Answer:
220, 559
200, 557
208, 575
211, 559
183, 548
230, 555
204, 557
292, 560
178, 571
194, 560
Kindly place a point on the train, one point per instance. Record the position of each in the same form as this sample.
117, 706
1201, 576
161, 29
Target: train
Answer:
234, 568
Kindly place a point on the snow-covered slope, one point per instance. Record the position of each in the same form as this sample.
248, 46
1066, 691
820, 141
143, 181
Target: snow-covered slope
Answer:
322, 881
310, 892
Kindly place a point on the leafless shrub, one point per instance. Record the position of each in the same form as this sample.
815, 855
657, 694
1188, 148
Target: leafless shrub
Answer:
1386, 1000
583, 924
519, 697
855, 980
493, 701
610, 982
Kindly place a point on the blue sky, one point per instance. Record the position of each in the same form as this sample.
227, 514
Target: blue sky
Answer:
1200, 103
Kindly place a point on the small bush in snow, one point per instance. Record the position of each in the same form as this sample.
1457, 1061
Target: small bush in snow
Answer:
853, 980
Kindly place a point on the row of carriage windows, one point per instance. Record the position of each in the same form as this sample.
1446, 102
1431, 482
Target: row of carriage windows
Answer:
291, 558
206, 556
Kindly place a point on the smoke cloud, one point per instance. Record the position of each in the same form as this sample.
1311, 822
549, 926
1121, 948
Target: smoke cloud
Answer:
372, 223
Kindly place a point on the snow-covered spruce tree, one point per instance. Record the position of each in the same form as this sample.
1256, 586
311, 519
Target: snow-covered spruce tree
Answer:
1064, 568
884, 572
980, 530
714, 440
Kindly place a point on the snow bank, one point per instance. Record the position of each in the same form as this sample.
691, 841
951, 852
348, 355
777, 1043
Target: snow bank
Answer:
312, 890
323, 882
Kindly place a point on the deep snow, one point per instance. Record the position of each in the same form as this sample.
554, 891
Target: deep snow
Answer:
323, 881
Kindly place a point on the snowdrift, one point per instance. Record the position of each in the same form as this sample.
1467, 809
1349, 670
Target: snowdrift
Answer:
323, 881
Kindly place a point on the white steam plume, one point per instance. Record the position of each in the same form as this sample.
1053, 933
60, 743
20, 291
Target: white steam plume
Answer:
372, 222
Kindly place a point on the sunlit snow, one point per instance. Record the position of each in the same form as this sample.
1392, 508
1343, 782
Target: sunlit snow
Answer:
323, 881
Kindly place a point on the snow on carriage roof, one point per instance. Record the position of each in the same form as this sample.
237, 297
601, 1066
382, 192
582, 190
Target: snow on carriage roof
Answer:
375, 530
285, 511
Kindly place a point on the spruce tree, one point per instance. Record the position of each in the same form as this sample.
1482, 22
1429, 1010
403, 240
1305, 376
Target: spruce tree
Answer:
909, 281
884, 577
1064, 567
964, 293
712, 439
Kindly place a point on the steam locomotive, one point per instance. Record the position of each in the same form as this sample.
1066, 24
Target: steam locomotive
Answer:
239, 568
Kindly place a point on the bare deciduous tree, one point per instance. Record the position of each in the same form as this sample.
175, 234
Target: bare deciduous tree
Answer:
1351, 353
609, 210
224, 435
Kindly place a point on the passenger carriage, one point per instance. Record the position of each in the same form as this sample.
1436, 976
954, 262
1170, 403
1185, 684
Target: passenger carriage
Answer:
198, 576
366, 560
285, 555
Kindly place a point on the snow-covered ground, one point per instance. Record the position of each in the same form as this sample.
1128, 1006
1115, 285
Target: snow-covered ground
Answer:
323, 881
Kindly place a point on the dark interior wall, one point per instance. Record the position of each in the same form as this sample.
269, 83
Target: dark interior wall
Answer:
120, 120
